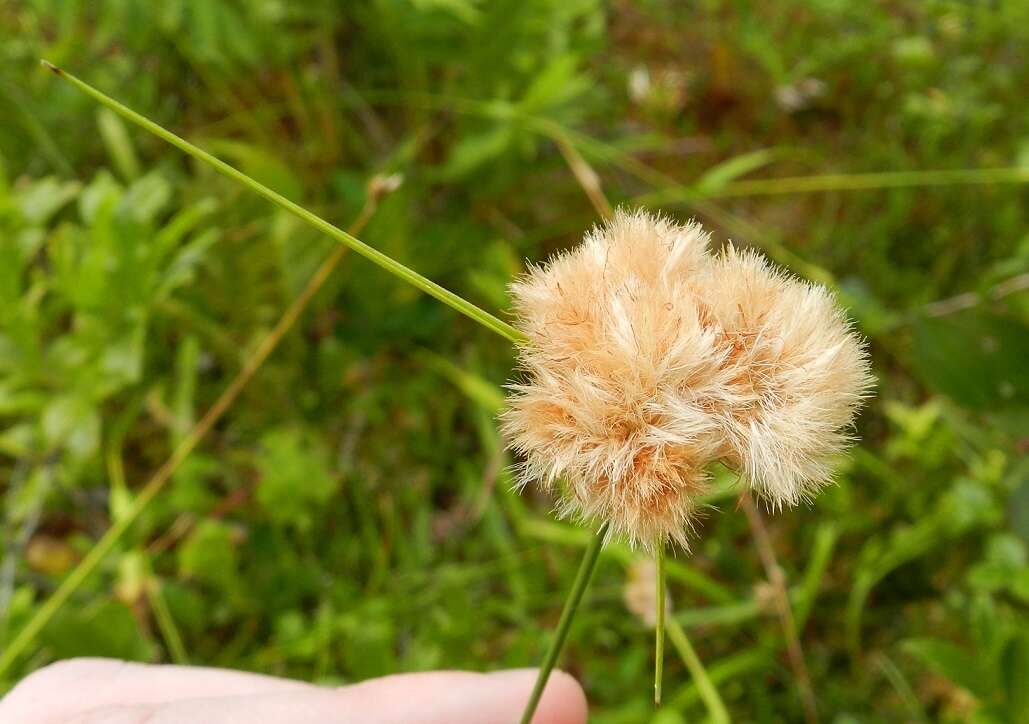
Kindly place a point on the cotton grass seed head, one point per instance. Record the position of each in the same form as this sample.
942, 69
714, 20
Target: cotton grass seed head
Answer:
798, 374
648, 359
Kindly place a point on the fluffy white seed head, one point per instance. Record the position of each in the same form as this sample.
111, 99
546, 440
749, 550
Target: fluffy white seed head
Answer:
648, 360
799, 374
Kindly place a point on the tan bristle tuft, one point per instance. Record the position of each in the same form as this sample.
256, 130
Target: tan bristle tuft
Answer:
648, 359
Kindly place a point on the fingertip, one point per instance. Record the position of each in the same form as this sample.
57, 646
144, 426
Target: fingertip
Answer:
564, 689
563, 700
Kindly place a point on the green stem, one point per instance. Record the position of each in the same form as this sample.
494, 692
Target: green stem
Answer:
166, 622
372, 254
550, 531
582, 579
874, 180
708, 691
659, 629
89, 562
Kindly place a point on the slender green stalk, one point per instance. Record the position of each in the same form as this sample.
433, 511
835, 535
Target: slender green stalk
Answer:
776, 577
750, 661
89, 562
659, 629
874, 180
550, 531
582, 580
708, 691
166, 622
372, 254
672, 190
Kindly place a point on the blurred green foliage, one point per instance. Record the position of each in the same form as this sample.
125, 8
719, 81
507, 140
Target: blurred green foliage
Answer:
352, 515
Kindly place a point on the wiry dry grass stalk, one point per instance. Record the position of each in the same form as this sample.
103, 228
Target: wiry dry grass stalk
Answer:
784, 609
586, 176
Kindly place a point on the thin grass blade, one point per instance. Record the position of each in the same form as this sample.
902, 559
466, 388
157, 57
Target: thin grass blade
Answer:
582, 580
372, 254
659, 629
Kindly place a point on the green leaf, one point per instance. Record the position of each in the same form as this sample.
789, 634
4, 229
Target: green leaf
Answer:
73, 423
463, 10
964, 507
16, 400
259, 163
187, 607
21, 440
1014, 667
44, 198
478, 389
144, 199
183, 267
121, 362
295, 476
976, 358
668, 716
558, 84
102, 191
108, 629
182, 223
119, 145
1018, 503
1004, 568
719, 176
474, 151
209, 554
965, 669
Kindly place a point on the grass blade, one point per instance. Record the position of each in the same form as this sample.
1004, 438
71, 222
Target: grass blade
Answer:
708, 691
874, 181
166, 622
372, 254
659, 629
777, 579
582, 580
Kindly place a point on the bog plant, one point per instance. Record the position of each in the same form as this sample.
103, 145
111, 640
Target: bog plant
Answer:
897, 187
647, 360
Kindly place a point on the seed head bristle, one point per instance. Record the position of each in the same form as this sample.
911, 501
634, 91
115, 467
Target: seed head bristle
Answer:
649, 359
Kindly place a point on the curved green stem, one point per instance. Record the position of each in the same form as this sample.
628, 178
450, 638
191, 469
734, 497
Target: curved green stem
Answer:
708, 691
659, 628
582, 580
372, 254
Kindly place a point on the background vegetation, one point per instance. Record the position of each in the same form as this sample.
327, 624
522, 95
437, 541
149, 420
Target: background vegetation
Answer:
351, 516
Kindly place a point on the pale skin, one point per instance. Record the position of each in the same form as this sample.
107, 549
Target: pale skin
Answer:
105, 691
